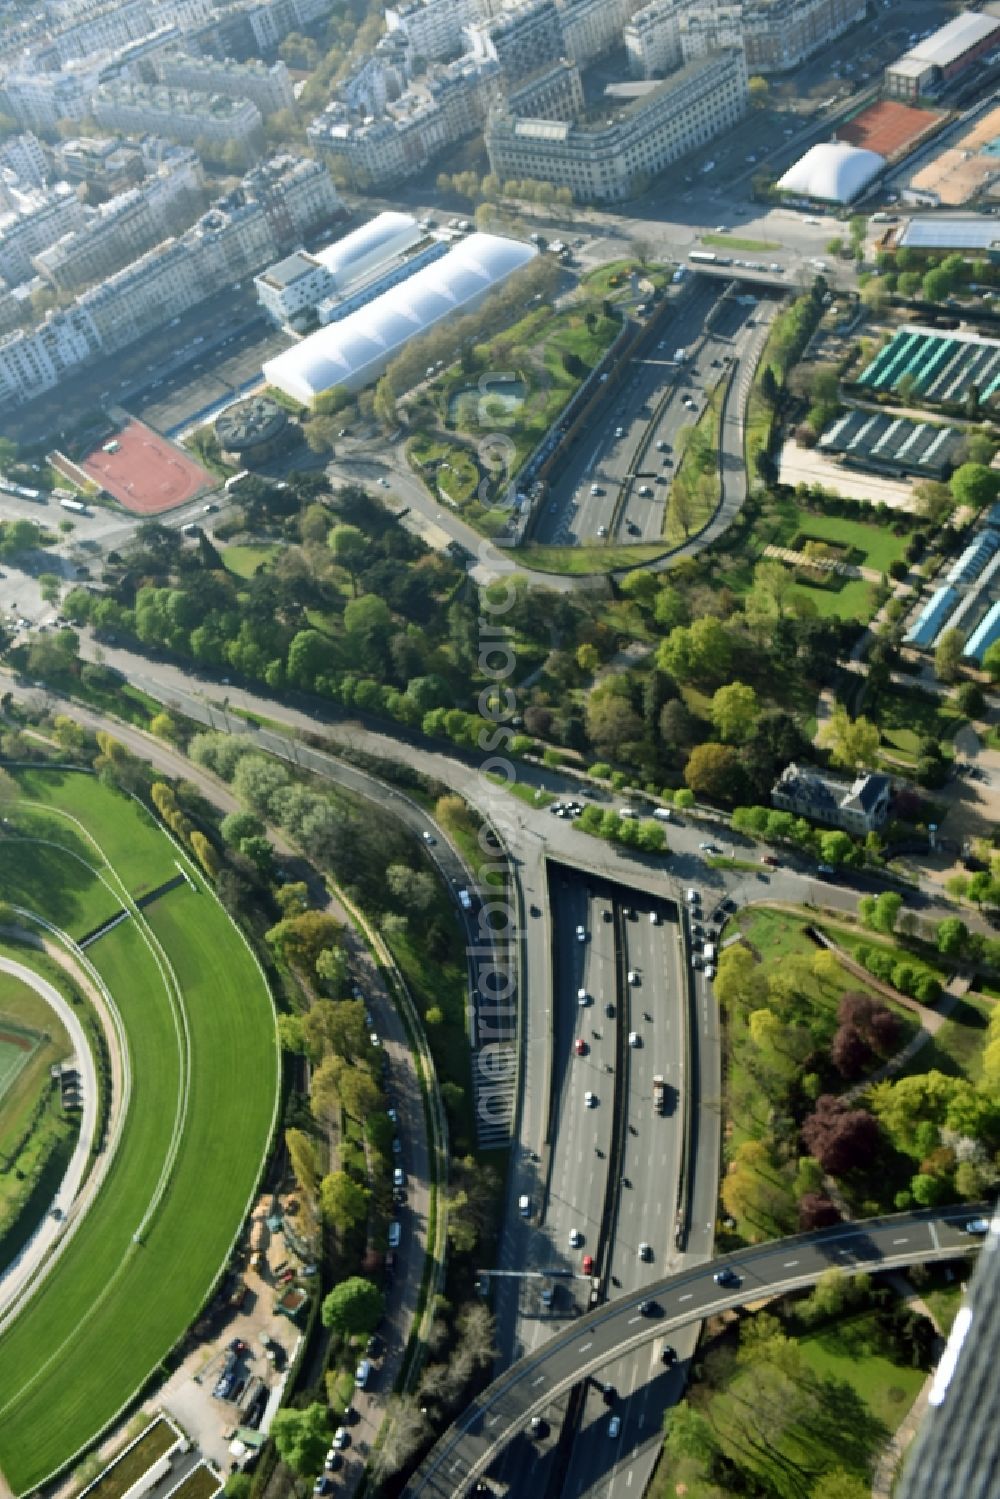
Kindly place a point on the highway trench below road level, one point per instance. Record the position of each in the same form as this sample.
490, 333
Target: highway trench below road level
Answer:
651, 1159
577, 1193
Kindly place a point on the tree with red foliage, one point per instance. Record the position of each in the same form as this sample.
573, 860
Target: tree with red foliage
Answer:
816, 1211
840, 1138
874, 1022
850, 1052
883, 1032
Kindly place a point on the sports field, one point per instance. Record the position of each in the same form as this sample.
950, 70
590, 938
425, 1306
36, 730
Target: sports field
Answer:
146, 473
32, 1038
203, 1070
17, 1047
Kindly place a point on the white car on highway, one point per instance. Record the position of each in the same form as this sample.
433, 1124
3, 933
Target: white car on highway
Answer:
589, 1100
581, 934
575, 1238
582, 998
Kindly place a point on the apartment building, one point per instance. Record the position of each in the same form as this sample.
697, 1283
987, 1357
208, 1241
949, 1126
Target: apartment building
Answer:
295, 194
33, 362
180, 114
25, 156
609, 161
552, 93
40, 100
652, 38
256, 29
109, 162
37, 221
590, 28
520, 40
433, 29
448, 104
230, 241
267, 85
122, 230
163, 283
780, 34
708, 28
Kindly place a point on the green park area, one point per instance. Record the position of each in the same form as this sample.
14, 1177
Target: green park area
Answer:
798, 1399
243, 561
202, 1066
510, 389
696, 485
807, 1094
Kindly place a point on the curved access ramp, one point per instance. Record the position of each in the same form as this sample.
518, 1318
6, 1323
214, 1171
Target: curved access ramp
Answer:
470, 1446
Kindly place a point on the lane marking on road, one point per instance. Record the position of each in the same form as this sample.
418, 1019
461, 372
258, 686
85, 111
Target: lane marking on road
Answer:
539, 1380
687, 1297
636, 1318
901, 1241
585, 1347
493, 1420
790, 1263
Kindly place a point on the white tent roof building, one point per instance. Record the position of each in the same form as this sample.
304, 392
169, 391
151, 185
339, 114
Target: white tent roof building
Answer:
355, 351
832, 172
371, 245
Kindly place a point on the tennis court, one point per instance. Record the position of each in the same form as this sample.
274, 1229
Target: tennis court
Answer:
888, 127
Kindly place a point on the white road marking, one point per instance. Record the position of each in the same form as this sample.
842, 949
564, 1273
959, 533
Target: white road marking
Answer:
539, 1380
790, 1263
636, 1318
585, 1347
901, 1241
686, 1297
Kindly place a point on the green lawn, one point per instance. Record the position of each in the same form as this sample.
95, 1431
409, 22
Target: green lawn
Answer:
587, 559
850, 598
907, 717
761, 246
887, 1389
244, 561
201, 1037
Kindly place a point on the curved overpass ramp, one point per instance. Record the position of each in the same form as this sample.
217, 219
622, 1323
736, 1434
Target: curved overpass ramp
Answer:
469, 1447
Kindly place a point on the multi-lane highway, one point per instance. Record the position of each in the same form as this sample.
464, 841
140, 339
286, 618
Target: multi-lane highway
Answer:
503, 1410
641, 1243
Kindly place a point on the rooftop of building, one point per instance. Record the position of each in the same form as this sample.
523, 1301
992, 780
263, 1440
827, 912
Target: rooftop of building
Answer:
967, 232
178, 101
953, 40
286, 272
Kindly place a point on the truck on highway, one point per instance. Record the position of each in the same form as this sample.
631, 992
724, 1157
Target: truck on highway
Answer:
659, 1095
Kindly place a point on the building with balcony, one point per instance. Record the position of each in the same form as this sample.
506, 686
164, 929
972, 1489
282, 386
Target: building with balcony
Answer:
296, 195
36, 221
433, 29
179, 114
590, 28
267, 85
609, 161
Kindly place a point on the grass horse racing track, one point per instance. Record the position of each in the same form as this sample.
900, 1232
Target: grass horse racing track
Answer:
201, 1065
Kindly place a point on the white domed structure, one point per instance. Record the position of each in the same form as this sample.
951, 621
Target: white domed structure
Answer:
832, 172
